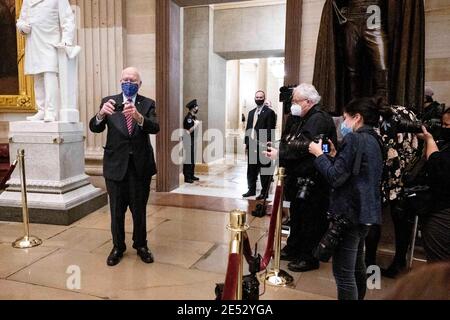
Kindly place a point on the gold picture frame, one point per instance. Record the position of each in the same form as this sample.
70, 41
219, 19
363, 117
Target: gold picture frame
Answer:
24, 101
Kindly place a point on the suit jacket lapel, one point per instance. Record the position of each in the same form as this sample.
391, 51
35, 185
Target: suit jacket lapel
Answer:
142, 109
263, 110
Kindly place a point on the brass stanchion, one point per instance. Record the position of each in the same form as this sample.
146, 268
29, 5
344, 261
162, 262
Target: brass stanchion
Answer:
238, 225
277, 277
27, 241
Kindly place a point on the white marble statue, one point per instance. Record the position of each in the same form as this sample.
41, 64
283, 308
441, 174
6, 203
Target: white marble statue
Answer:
49, 27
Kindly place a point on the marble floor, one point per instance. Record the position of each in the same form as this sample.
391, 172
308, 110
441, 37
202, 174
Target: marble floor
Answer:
226, 179
190, 247
187, 234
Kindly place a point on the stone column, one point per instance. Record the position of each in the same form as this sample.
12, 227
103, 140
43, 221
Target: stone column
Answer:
102, 35
167, 90
204, 75
294, 10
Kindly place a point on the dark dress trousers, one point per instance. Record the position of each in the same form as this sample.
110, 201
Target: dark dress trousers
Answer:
265, 123
189, 147
128, 167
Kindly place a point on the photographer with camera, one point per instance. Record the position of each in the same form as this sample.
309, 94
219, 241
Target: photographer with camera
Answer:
431, 109
436, 224
355, 174
307, 191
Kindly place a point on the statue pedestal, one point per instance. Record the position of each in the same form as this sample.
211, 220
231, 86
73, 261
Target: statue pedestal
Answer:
58, 190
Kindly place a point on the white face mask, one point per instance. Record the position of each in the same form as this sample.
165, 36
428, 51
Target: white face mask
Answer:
296, 110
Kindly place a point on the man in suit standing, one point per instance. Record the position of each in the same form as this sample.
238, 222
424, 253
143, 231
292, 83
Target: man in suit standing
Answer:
261, 121
128, 163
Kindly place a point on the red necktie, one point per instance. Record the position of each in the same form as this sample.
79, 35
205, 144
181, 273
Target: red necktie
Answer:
129, 120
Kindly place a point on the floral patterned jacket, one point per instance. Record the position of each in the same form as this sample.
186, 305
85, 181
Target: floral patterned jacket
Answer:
402, 151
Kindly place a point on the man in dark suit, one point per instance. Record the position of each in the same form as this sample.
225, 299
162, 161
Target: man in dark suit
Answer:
261, 121
128, 163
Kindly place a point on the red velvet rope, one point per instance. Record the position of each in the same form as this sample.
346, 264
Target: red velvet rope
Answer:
273, 222
248, 254
231, 281
8, 176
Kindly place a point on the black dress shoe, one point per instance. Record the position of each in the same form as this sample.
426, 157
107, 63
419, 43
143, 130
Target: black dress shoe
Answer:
195, 178
145, 255
114, 257
286, 255
249, 194
188, 180
303, 266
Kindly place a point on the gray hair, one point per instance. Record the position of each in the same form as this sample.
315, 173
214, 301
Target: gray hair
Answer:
308, 91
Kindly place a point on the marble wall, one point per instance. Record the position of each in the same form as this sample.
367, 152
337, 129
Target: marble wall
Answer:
253, 30
437, 54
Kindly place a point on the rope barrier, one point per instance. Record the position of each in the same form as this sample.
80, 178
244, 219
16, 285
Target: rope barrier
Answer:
8, 175
231, 281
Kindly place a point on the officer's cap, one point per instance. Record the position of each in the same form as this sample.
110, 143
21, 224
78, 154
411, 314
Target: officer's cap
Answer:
192, 104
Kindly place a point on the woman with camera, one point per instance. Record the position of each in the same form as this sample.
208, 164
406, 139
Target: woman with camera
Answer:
436, 225
354, 173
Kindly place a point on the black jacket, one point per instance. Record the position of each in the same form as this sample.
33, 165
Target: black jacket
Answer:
119, 144
267, 121
299, 132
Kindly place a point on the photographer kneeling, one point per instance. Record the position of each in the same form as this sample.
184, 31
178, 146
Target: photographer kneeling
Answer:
355, 174
436, 225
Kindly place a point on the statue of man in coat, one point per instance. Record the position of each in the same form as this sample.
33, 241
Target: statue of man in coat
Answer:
47, 25
371, 48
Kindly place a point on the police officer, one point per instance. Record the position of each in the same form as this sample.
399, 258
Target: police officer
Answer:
308, 211
190, 124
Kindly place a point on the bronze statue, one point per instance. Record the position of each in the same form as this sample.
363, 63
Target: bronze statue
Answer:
371, 48
364, 31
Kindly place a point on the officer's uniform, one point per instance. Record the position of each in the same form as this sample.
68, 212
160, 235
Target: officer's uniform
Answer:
189, 144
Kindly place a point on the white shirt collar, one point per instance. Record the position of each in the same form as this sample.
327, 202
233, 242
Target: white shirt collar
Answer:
126, 98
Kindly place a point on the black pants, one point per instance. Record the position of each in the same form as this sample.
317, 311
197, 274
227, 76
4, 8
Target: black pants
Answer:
403, 227
189, 160
436, 235
308, 225
255, 167
132, 192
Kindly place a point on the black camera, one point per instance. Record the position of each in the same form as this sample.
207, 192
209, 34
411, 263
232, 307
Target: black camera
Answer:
416, 200
250, 288
334, 235
305, 188
400, 125
302, 145
286, 93
250, 283
118, 107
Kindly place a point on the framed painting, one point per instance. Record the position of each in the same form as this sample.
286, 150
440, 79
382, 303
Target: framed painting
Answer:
16, 89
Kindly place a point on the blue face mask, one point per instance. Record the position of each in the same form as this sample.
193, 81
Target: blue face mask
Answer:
130, 89
345, 130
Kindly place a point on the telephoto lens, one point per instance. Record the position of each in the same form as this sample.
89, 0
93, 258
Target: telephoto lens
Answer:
332, 238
